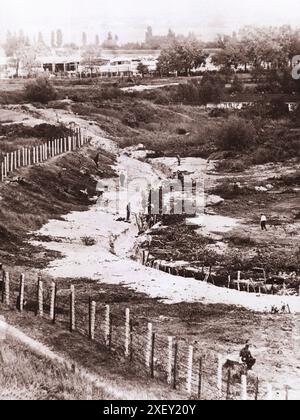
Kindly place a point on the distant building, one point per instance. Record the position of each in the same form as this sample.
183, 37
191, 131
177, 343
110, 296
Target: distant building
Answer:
55, 64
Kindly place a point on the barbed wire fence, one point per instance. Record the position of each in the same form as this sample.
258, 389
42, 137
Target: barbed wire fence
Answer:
133, 340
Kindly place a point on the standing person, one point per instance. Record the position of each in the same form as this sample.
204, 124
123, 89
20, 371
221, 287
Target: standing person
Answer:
128, 211
178, 160
263, 222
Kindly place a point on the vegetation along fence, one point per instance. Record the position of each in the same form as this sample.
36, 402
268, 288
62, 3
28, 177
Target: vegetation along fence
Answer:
34, 155
134, 342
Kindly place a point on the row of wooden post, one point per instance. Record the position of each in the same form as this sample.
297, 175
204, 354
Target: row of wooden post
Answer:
172, 344
172, 271
38, 154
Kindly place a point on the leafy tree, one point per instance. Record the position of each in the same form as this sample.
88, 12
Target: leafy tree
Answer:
181, 57
18, 50
143, 69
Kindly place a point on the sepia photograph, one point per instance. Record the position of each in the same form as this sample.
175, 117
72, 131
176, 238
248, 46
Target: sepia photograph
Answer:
149, 203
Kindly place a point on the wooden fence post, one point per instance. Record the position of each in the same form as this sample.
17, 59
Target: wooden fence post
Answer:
200, 379
228, 389
286, 393
92, 319
6, 290
244, 394
52, 301
40, 298
220, 376
107, 325
21, 293
72, 309
189, 375
239, 281
256, 389
175, 366
170, 360
127, 331
148, 345
152, 365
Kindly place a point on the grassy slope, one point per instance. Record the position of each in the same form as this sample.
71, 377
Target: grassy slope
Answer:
26, 376
46, 191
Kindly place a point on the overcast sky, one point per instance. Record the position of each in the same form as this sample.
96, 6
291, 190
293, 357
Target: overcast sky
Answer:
129, 18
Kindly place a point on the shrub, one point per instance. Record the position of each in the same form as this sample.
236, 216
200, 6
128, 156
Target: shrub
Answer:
88, 241
231, 165
263, 155
278, 108
236, 135
130, 120
40, 90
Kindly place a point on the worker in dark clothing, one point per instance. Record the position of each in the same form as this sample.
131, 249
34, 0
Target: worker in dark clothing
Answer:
128, 211
247, 358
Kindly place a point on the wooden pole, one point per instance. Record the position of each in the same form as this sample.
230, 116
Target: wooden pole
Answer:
127, 331
256, 389
200, 378
152, 355
286, 393
52, 301
175, 366
107, 325
189, 375
22, 290
149, 345
6, 292
92, 319
72, 309
228, 385
40, 297
131, 341
170, 360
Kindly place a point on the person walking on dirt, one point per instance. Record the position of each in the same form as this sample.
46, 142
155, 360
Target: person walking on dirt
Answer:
247, 358
263, 222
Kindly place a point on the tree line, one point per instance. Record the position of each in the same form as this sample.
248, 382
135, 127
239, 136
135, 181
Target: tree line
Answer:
252, 49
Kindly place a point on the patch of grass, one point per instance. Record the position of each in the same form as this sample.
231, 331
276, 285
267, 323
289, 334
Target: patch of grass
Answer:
25, 376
